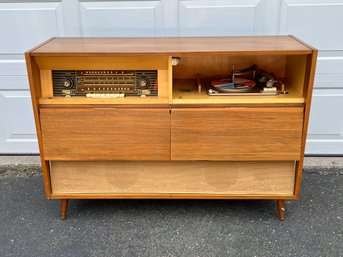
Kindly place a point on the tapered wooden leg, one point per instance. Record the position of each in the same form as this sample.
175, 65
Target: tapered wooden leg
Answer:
281, 209
64, 208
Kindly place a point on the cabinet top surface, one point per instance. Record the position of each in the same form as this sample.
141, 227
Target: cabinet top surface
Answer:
243, 45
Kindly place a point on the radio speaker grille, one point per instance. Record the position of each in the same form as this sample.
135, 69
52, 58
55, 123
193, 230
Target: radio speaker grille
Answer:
58, 76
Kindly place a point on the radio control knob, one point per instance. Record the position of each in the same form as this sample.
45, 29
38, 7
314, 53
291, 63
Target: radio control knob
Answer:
67, 83
143, 82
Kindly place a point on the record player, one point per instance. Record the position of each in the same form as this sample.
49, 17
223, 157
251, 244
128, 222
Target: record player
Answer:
248, 81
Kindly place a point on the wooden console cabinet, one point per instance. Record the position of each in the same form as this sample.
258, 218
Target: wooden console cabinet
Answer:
181, 143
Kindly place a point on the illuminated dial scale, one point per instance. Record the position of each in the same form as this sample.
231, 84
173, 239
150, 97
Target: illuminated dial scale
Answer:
100, 81
86, 82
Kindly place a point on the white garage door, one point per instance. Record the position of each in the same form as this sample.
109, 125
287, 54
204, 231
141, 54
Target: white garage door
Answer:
24, 24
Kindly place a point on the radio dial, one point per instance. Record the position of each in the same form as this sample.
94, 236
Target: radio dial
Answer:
67, 83
143, 83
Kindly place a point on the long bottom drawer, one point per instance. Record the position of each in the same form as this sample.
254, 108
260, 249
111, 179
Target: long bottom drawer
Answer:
168, 179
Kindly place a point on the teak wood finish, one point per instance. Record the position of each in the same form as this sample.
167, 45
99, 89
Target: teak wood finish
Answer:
64, 208
236, 133
246, 45
178, 144
281, 208
106, 133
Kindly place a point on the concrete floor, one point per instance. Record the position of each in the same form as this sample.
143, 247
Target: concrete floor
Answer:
30, 224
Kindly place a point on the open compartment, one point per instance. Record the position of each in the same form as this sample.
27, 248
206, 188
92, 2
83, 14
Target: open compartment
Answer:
103, 80
194, 77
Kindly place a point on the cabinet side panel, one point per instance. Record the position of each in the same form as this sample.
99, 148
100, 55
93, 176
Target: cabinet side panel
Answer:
35, 90
106, 133
236, 133
309, 80
295, 72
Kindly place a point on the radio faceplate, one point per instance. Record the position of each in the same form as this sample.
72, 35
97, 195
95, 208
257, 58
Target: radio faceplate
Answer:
85, 82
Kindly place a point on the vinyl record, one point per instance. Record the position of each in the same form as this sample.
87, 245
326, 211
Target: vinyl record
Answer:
227, 86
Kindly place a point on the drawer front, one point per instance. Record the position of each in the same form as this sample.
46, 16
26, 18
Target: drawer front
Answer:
236, 133
177, 179
105, 133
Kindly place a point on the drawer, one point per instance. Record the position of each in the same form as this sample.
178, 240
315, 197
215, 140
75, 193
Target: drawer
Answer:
177, 179
236, 133
105, 133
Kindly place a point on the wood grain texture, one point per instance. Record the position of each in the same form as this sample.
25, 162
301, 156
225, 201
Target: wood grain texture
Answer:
81, 100
308, 89
163, 84
176, 196
230, 128
35, 90
64, 208
46, 83
102, 62
105, 133
236, 133
295, 73
220, 66
170, 79
169, 46
281, 209
173, 178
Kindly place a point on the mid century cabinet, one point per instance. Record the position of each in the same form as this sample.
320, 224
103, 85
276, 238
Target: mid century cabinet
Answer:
181, 143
